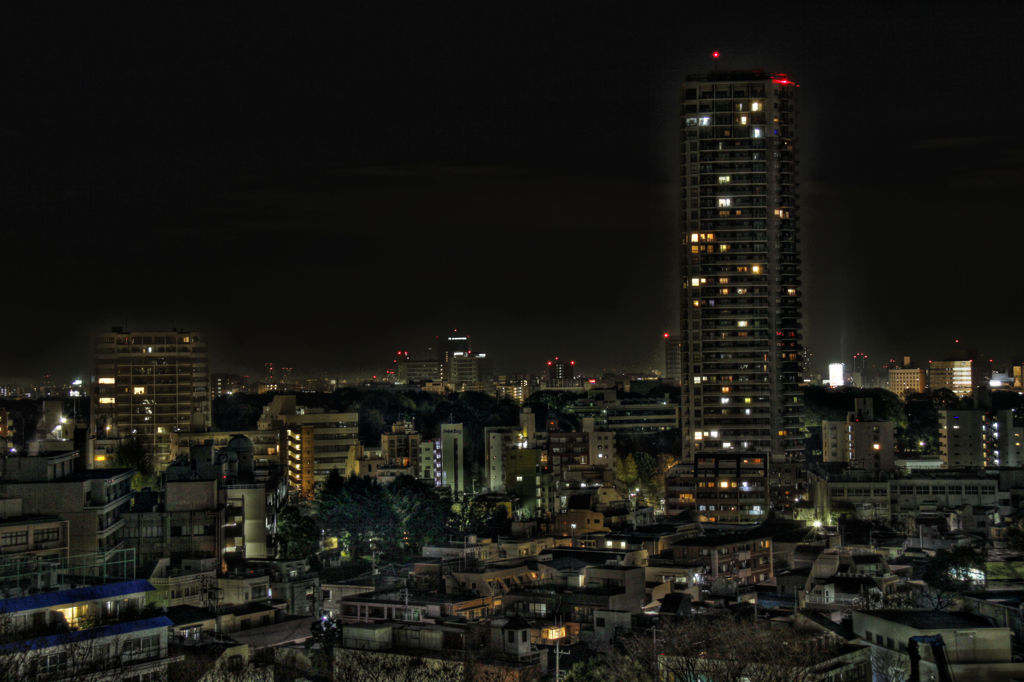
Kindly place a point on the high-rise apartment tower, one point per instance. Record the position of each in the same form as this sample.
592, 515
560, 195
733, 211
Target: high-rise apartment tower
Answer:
147, 385
740, 326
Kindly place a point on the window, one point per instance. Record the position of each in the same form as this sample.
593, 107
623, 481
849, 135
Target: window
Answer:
723, 202
16, 538
46, 535
757, 132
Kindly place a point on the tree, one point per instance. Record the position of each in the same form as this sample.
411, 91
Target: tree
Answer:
717, 648
419, 511
951, 573
131, 453
359, 514
626, 471
297, 534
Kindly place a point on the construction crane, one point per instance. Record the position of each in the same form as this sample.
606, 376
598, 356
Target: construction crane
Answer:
938, 654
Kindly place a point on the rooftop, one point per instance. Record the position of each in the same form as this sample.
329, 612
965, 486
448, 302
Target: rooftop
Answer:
932, 620
74, 596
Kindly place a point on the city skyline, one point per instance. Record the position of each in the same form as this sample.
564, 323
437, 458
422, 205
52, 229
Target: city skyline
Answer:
199, 181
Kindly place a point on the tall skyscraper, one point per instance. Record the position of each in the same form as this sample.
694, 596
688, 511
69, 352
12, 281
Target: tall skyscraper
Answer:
147, 385
740, 326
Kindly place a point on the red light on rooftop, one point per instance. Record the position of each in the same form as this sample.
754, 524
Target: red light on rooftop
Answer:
549, 363
716, 54
572, 362
665, 335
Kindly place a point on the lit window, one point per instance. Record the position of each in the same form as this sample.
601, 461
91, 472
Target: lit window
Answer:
755, 106
100, 458
705, 120
724, 202
743, 120
696, 303
106, 380
741, 323
138, 390
757, 132
724, 484
695, 282
694, 237
697, 435
106, 401
724, 179
714, 434
725, 401
756, 269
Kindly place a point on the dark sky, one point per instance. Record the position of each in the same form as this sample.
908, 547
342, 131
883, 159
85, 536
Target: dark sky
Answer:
321, 190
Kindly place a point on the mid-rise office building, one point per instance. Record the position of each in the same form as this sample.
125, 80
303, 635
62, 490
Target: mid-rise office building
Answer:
147, 385
906, 381
958, 376
741, 319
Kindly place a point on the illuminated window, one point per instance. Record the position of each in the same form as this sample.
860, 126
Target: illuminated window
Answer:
106, 380
106, 401
724, 179
696, 303
756, 269
705, 120
724, 202
741, 323
757, 132
743, 120
755, 106
724, 484
694, 237
138, 390
100, 458
694, 282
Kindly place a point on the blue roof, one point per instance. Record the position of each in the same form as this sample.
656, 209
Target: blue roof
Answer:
84, 635
79, 594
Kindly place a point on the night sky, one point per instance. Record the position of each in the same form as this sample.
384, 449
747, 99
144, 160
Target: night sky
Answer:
321, 190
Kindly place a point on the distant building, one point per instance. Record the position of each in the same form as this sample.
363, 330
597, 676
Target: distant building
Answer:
978, 438
453, 463
958, 376
861, 441
906, 380
313, 441
561, 373
401, 445
222, 385
146, 386
673, 372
